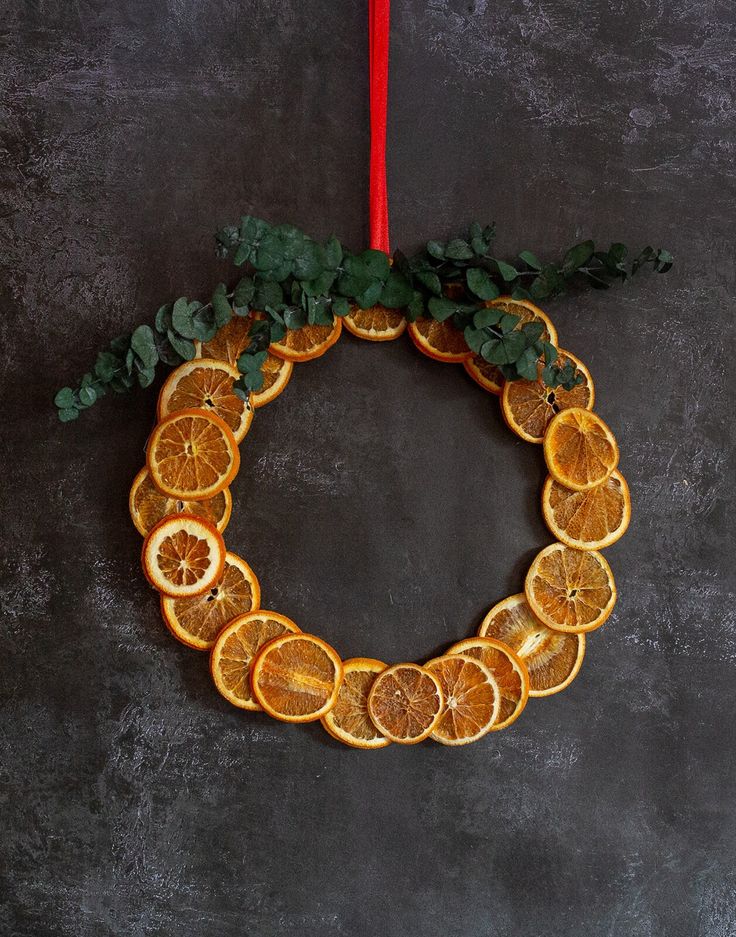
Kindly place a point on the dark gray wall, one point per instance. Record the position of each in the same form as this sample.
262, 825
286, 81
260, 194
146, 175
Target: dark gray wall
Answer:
381, 500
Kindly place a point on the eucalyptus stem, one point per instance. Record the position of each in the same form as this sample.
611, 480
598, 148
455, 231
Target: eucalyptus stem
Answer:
293, 281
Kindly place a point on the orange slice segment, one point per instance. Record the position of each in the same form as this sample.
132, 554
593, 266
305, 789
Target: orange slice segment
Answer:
527, 312
206, 384
377, 324
348, 720
588, 520
230, 343
439, 340
509, 672
405, 703
147, 505
296, 678
570, 590
183, 556
471, 699
552, 659
197, 621
529, 406
192, 455
236, 646
487, 375
579, 449
308, 342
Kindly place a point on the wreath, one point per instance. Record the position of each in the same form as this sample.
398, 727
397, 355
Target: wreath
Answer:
236, 352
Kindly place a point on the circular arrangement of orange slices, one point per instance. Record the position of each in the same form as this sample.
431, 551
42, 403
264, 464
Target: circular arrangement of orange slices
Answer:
529, 645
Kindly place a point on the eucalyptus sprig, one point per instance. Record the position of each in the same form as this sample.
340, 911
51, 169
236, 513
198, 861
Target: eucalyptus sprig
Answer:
290, 280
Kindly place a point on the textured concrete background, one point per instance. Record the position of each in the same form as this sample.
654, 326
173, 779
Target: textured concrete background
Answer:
381, 500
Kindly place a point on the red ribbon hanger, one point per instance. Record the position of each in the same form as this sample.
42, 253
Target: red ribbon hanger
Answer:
378, 41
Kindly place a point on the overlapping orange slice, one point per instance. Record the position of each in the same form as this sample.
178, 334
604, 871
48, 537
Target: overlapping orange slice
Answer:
405, 703
308, 342
509, 671
230, 343
348, 720
192, 455
529, 406
148, 505
471, 699
376, 324
439, 340
552, 659
488, 375
579, 449
570, 590
183, 556
207, 384
591, 519
235, 648
296, 677
197, 621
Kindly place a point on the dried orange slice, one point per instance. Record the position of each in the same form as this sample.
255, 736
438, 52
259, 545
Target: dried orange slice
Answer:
509, 671
377, 324
579, 449
192, 455
471, 699
296, 677
570, 590
197, 621
527, 312
405, 703
552, 658
588, 520
529, 406
147, 505
276, 373
183, 556
348, 720
206, 384
308, 342
486, 374
230, 343
236, 646
439, 340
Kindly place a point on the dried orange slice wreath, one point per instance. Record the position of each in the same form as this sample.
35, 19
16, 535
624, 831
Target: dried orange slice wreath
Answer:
529, 645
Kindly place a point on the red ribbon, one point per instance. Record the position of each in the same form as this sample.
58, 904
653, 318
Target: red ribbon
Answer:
378, 39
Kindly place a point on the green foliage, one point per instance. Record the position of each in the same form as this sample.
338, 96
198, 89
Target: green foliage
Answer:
292, 280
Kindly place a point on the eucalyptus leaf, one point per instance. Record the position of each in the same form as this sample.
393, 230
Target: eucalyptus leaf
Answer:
430, 279
441, 308
480, 283
508, 272
143, 343
577, 256
64, 398
376, 263
243, 293
87, 395
181, 346
397, 291
221, 307
340, 306
530, 260
457, 249
487, 317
